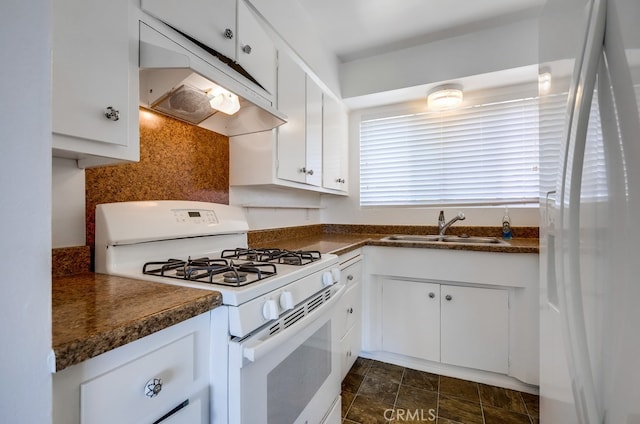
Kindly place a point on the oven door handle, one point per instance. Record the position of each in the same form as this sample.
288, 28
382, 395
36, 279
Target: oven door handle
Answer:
261, 349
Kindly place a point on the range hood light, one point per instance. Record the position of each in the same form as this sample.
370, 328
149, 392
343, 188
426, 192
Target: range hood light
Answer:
223, 100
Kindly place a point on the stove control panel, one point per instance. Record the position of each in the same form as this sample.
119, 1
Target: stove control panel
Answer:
195, 216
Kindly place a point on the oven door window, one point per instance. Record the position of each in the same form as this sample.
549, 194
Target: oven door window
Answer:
293, 383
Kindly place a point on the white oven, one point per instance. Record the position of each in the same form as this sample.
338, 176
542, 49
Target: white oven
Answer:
288, 371
274, 343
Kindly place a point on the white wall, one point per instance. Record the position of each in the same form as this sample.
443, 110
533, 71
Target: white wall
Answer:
505, 47
67, 204
293, 26
25, 209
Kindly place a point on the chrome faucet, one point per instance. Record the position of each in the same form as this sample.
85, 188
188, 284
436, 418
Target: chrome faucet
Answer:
443, 226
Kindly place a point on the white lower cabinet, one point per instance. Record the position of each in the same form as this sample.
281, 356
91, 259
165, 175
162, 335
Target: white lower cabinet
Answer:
474, 328
467, 314
350, 311
411, 318
161, 378
464, 326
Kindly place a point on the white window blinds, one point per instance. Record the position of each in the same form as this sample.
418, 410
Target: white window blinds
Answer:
478, 155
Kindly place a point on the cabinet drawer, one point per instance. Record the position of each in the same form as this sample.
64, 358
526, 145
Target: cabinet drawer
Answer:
119, 395
352, 274
350, 346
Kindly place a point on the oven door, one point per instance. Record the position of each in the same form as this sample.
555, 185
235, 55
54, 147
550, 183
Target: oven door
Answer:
289, 372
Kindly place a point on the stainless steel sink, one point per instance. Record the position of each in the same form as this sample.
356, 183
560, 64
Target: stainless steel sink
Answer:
443, 239
406, 237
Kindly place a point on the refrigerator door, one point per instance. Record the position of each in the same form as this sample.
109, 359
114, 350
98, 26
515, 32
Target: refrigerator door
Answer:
590, 283
564, 31
620, 91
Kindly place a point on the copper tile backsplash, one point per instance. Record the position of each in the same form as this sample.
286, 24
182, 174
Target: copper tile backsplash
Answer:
177, 162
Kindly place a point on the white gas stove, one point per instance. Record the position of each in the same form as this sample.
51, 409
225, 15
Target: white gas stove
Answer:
275, 302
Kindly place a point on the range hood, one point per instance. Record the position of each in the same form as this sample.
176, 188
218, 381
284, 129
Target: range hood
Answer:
177, 78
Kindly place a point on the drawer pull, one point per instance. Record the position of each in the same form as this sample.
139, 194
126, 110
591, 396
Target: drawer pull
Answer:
350, 277
153, 387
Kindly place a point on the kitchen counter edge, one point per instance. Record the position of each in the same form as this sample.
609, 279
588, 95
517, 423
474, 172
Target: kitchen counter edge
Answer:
340, 244
95, 313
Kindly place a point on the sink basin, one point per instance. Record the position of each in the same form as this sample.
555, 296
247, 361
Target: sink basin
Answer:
444, 239
406, 237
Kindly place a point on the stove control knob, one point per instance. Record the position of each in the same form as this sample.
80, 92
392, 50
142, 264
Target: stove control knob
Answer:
336, 274
270, 310
286, 300
327, 278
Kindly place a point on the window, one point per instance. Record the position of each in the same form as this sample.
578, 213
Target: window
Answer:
485, 154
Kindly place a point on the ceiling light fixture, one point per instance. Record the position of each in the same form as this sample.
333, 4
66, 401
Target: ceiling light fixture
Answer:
544, 82
445, 97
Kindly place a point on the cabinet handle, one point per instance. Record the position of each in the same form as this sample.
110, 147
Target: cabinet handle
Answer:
153, 387
432, 295
349, 354
310, 172
228, 33
448, 297
246, 48
303, 170
340, 180
111, 113
349, 277
350, 310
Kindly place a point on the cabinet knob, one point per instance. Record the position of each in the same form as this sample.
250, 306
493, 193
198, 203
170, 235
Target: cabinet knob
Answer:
349, 277
246, 48
111, 113
350, 310
153, 387
432, 295
228, 33
310, 172
303, 170
448, 297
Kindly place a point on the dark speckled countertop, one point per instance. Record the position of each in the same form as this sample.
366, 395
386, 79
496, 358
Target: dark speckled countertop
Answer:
339, 239
94, 313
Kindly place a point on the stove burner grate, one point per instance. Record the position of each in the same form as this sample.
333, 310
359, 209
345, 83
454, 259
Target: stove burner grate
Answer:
288, 257
214, 271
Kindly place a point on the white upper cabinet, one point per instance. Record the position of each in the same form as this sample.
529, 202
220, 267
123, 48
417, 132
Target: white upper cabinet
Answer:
335, 145
256, 52
95, 82
298, 153
300, 139
291, 152
226, 26
213, 23
314, 134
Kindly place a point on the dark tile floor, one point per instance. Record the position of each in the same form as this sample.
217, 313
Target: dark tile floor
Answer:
377, 392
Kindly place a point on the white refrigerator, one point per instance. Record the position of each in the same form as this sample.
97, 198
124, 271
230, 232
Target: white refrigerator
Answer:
590, 211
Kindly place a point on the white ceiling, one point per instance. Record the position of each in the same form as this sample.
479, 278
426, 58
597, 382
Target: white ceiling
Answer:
354, 29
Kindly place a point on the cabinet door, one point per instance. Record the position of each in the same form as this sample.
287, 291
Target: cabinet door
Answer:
334, 145
475, 328
256, 52
411, 318
213, 23
314, 134
291, 136
95, 67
